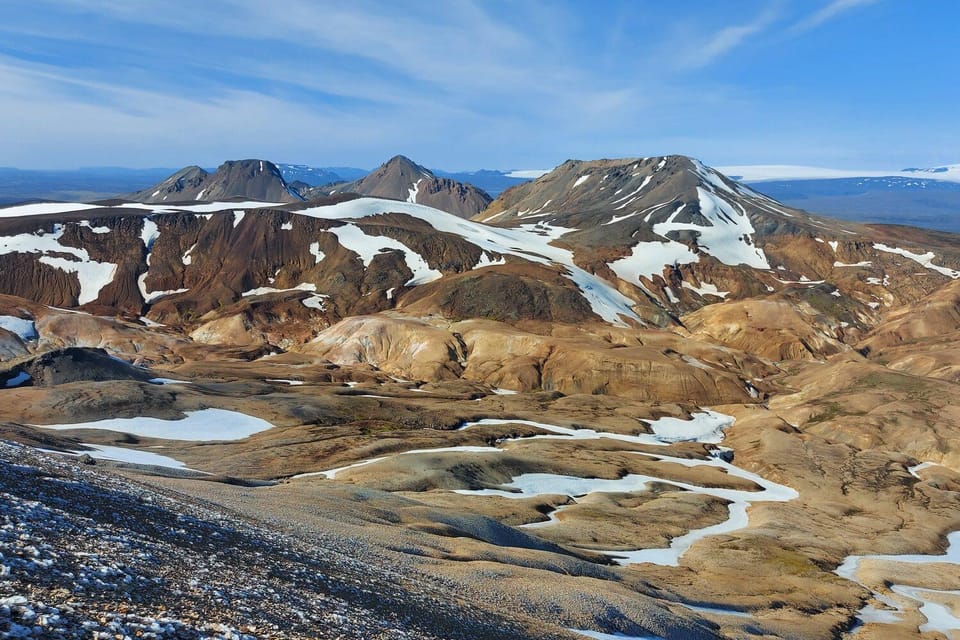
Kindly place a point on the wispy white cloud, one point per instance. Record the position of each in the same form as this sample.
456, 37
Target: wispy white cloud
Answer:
148, 128
727, 39
452, 69
458, 84
827, 13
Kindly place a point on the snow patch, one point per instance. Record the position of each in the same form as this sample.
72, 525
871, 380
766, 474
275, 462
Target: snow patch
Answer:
938, 617
92, 276
260, 291
316, 301
97, 230
198, 426
925, 259
367, 247
149, 233
186, 258
149, 297
316, 253
599, 635
43, 208
706, 427
414, 190
705, 289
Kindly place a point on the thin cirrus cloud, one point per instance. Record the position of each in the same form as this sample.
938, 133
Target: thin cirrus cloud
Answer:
827, 13
731, 37
728, 39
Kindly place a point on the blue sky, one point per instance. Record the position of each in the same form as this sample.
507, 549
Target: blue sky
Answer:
483, 84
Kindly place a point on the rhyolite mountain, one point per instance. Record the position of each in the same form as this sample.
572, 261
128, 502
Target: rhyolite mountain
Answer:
626, 242
623, 241
402, 179
251, 179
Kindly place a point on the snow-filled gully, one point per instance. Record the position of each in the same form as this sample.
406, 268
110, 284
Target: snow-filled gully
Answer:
930, 602
706, 427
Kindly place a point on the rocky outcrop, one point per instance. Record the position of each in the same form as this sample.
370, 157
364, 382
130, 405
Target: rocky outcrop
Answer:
75, 364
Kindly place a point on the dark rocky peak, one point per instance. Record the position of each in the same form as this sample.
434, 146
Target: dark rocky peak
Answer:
400, 178
250, 179
403, 163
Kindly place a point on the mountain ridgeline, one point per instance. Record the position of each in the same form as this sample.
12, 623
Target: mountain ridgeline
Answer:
398, 179
641, 242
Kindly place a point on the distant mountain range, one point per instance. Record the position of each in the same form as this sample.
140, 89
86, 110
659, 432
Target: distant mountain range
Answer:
927, 198
18, 185
262, 181
924, 197
318, 176
97, 183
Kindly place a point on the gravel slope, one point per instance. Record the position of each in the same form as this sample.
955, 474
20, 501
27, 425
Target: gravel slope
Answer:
84, 554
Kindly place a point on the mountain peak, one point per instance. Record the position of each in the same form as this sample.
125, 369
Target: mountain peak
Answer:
251, 178
400, 178
649, 212
405, 165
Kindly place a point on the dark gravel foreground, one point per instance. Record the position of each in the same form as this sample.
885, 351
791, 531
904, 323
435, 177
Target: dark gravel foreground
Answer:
85, 554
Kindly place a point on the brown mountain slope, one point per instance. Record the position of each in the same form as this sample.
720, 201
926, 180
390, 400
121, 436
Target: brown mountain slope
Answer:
223, 273
402, 179
251, 179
